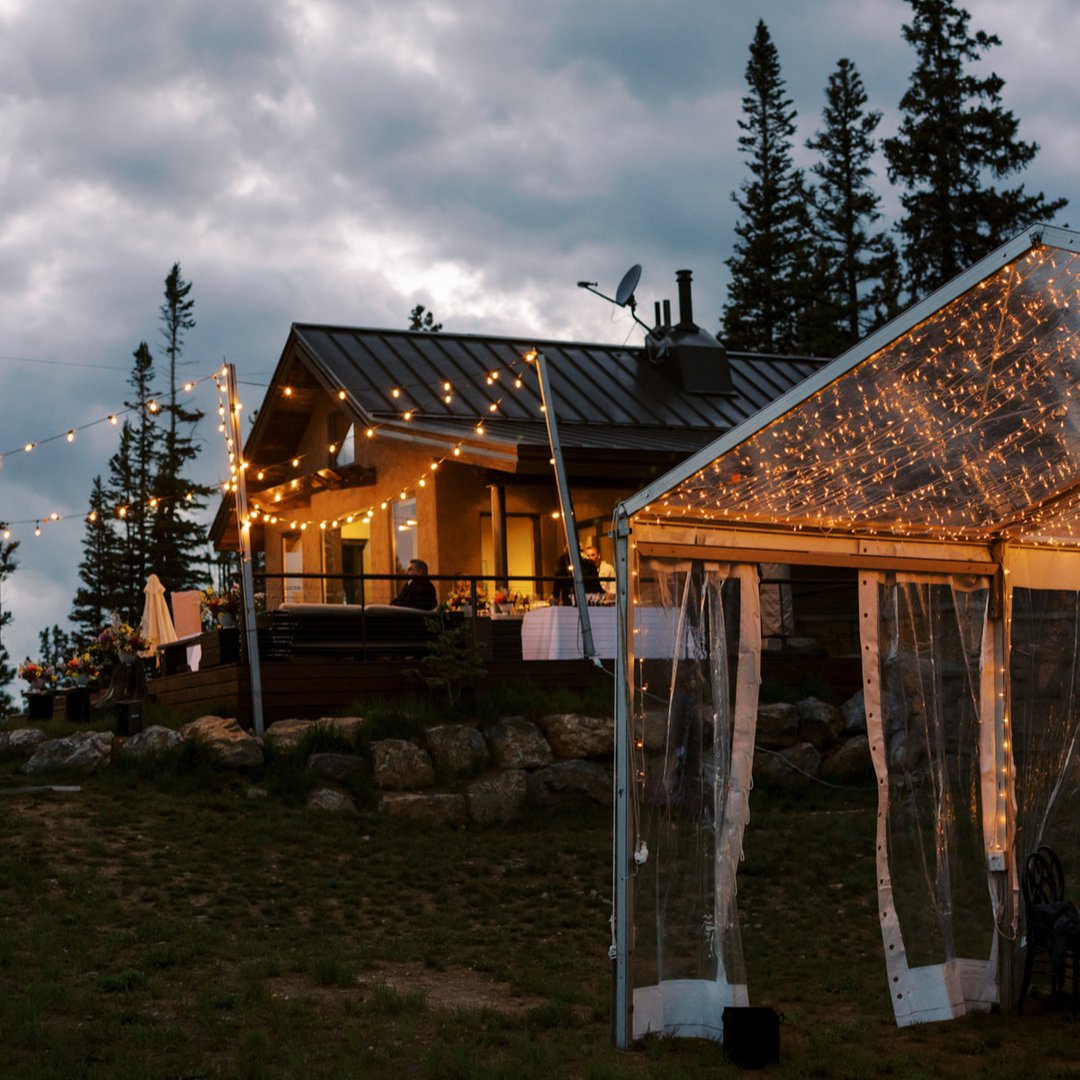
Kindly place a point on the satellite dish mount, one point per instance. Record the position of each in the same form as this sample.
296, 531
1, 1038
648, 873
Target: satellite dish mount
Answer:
624, 294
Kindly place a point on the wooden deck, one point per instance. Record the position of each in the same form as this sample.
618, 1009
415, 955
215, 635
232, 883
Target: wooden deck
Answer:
311, 687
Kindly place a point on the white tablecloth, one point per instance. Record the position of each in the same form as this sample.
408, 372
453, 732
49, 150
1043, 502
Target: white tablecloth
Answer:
554, 633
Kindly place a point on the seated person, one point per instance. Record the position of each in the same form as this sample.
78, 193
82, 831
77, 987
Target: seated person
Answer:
418, 592
564, 584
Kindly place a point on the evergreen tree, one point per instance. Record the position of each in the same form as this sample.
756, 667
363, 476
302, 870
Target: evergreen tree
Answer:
129, 518
955, 136
422, 319
767, 267
101, 590
55, 646
7, 670
178, 541
177, 315
852, 259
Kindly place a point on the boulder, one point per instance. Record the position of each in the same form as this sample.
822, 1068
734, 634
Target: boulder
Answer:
345, 727
589, 778
336, 766
515, 743
21, 740
287, 734
82, 752
850, 761
498, 797
399, 765
572, 736
654, 727
456, 749
819, 722
434, 808
777, 725
225, 742
795, 766
331, 799
154, 740
854, 712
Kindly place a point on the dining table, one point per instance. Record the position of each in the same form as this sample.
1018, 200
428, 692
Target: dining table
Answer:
554, 633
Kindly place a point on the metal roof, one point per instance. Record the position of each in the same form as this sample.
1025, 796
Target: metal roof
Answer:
606, 396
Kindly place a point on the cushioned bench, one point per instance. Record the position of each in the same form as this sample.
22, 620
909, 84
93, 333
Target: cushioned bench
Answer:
353, 630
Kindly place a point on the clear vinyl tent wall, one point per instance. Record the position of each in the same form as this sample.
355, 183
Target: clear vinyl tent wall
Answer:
691, 736
940, 459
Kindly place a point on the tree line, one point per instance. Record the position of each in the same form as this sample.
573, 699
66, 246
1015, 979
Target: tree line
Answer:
143, 515
812, 269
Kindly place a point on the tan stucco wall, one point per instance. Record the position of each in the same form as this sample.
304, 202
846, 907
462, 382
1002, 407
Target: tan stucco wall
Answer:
449, 511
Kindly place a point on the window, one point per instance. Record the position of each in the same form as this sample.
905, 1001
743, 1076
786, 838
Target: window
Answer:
404, 523
355, 558
521, 544
292, 562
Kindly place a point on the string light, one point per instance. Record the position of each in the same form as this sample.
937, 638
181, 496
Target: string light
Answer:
960, 429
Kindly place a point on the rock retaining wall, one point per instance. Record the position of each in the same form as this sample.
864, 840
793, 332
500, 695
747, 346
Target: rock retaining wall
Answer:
456, 773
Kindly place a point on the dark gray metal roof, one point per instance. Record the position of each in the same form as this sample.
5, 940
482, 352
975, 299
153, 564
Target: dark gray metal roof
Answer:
606, 397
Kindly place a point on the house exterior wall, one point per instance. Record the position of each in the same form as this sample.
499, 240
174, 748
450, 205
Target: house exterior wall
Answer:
451, 514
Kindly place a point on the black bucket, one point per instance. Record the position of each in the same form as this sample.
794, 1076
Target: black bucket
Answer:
752, 1036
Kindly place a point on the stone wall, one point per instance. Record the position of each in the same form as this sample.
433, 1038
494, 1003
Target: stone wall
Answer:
456, 773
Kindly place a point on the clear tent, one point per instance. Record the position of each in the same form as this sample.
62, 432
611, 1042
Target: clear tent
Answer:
941, 457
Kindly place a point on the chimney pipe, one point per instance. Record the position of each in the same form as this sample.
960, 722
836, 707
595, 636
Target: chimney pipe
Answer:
667, 314
686, 303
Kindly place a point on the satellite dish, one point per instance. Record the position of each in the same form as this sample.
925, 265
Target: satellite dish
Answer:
624, 294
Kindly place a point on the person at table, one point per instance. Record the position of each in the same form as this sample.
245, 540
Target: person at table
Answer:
418, 592
605, 572
564, 578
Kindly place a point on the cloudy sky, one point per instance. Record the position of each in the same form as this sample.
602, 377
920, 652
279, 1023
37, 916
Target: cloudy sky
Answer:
343, 160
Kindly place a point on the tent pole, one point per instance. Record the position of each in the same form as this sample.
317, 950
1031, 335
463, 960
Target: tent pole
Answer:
566, 505
624, 777
243, 523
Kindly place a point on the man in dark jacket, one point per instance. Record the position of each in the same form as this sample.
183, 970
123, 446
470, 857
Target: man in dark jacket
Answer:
418, 592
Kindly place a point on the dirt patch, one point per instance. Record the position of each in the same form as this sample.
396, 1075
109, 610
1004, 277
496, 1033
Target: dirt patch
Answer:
452, 988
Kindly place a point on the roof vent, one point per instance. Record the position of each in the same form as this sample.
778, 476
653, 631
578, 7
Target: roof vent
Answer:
692, 355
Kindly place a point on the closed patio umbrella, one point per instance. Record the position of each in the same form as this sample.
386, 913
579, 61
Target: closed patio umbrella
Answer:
156, 625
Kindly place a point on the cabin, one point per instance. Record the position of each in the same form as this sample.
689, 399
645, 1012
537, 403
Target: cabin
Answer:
372, 447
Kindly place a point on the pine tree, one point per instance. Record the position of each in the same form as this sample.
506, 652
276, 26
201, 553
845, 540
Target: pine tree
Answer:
956, 137
7, 670
178, 541
767, 267
101, 590
55, 646
129, 518
422, 319
853, 259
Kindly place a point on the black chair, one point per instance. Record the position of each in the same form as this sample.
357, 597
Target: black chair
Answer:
1052, 925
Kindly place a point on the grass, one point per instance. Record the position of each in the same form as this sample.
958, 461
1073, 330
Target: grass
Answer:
163, 924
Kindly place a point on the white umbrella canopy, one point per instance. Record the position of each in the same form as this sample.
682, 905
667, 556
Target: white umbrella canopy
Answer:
156, 625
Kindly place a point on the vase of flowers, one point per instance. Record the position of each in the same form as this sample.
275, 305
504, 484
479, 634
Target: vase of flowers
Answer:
221, 607
82, 668
39, 676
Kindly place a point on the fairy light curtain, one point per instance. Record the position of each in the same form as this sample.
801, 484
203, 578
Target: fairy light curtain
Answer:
962, 428
1045, 706
695, 718
928, 666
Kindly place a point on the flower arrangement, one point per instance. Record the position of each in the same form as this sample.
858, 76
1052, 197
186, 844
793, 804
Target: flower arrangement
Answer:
33, 672
119, 640
221, 603
82, 664
518, 601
